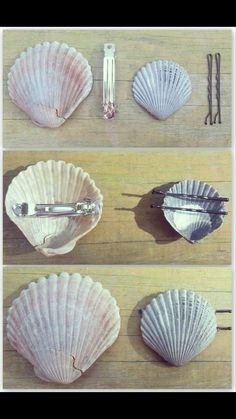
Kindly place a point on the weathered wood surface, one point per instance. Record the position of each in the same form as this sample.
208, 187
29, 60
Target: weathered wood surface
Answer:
129, 363
132, 126
129, 230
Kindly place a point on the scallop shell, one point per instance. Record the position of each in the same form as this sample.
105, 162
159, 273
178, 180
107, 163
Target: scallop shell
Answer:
178, 325
49, 81
49, 183
62, 324
193, 226
162, 88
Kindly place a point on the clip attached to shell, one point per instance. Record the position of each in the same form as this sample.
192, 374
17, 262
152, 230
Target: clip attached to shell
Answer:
193, 208
109, 107
208, 211
84, 208
192, 196
54, 229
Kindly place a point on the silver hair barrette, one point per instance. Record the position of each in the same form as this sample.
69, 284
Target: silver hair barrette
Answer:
109, 107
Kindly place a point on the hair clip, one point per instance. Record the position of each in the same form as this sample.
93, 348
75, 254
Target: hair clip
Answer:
84, 208
54, 227
162, 88
207, 211
209, 89
109, 107
179, 324
62, 324
218, 94
191, 196
193, 208
49, 81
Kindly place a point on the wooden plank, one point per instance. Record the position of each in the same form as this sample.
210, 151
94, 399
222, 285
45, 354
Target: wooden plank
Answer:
132, 126
129, 363
130, 231
202, 279
122, 375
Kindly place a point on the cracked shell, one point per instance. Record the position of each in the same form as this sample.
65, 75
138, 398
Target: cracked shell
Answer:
48, 82
53, 182
62, 324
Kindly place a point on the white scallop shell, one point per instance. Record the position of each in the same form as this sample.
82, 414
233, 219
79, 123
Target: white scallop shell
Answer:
193, 226
62, 324
178, 325
49, 81
162, 88
49, 183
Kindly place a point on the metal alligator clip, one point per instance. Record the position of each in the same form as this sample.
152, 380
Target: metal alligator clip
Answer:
218, 95
185, 195
109, 107
84, 208
209, 89
208, 211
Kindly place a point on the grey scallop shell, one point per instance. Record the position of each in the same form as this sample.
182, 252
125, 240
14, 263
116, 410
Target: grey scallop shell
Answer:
178, 325
162, 88
193, 226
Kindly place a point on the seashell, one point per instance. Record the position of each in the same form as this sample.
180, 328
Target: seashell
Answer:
49, 81
162, 88
178, 325
193, 226
48, 183
62, 324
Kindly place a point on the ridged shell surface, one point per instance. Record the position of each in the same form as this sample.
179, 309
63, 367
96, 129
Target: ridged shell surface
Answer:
193, 226
49, 81
162, 88
53, 182
62, 324
178, 325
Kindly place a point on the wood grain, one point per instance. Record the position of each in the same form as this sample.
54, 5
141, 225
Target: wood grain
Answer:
129, 363
132, 126
129, 230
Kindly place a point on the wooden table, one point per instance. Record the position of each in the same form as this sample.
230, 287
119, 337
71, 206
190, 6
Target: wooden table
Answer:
129, 230
132, 126
129, 363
